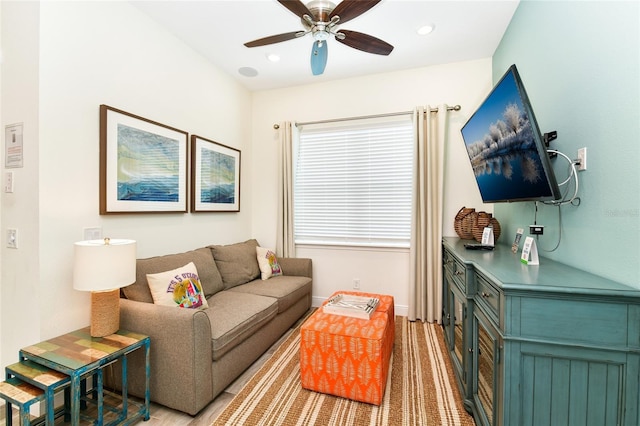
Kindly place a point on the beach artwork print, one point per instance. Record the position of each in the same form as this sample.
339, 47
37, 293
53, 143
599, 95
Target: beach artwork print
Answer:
215, 176
143, 165
148, 166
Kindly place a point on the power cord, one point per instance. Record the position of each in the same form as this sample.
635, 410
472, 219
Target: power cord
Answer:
573, 173
574, 200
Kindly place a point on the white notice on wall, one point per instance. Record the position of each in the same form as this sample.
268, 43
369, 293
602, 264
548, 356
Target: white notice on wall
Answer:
13, 155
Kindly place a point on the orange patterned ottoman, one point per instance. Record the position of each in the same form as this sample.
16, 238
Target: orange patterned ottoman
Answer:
348, 357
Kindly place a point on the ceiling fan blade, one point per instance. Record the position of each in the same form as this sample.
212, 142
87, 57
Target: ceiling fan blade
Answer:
364, 42
318, 57
297, 7
275, 39
349, 9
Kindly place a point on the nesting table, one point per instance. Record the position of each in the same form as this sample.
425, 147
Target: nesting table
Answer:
78, 355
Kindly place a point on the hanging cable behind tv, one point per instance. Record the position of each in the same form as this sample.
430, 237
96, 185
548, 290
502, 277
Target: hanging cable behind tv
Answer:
573, 173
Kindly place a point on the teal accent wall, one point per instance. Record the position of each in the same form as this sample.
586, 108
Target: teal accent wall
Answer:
580, 64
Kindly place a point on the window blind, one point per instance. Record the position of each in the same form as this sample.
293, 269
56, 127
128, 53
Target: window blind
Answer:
352, 183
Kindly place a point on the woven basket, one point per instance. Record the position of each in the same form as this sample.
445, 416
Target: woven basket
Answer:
463, 222
483, 220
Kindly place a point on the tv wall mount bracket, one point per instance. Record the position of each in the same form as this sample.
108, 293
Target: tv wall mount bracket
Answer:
548, 138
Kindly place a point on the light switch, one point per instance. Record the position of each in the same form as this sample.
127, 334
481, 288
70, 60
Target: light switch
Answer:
12, 238
93, 233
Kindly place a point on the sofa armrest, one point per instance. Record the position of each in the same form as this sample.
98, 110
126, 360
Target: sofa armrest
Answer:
181, 354
296, 266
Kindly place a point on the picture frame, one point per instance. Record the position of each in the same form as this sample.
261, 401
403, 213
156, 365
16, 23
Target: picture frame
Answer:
215, 176
143, 165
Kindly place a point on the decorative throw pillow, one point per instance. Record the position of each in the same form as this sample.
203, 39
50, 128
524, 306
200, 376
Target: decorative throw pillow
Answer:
179, 287
269, 266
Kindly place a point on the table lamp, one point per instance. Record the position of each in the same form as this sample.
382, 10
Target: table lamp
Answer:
103, 267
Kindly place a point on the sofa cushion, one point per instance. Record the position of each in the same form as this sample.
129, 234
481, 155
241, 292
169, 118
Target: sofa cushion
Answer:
178, 287
202, 258
286, 289
235, 316
237, 263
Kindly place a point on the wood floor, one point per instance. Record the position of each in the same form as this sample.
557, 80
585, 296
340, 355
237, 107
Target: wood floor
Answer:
163, 416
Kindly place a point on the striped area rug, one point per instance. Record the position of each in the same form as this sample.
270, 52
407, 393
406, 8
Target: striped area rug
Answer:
421, 389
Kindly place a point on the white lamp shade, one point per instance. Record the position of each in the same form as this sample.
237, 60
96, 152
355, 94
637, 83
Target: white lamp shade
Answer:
101, 265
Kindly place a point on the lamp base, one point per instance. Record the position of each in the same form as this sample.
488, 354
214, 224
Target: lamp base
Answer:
105, 312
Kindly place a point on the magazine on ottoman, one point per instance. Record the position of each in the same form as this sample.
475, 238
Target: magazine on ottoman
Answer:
351, 306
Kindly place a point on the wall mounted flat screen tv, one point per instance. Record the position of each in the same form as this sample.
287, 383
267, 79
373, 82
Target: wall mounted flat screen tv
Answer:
506, 149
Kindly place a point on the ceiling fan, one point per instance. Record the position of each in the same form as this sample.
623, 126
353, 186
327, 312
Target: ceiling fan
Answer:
320, 18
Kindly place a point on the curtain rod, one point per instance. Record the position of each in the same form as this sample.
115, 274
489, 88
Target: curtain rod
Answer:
390, 114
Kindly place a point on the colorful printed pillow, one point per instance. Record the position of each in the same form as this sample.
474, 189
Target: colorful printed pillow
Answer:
269, 266
179, 287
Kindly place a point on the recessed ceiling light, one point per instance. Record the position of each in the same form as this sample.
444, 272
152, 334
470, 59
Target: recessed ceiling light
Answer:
248, 71
426, 29
273, 57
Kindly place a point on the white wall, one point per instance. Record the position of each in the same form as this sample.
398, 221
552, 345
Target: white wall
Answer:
74, 56
386, 271
20, 277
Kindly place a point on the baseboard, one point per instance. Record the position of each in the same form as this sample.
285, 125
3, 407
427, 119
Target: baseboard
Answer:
402, 310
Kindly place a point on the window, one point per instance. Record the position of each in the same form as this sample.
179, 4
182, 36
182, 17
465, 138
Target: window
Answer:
352, 182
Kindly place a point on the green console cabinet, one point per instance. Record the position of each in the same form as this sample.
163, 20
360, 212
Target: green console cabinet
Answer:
545, 345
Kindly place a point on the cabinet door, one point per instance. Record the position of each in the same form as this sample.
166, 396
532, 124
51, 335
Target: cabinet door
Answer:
458, 314
458, 338
487, 376
453, 327
573, 386
446, 309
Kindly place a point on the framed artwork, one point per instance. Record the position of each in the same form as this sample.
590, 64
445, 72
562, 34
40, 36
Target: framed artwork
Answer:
215, 176
143, 165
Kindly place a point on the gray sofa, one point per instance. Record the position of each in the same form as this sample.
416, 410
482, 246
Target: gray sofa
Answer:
197, 353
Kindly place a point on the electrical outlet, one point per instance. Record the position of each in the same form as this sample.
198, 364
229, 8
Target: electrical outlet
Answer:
356, 283
582, 158
536, 229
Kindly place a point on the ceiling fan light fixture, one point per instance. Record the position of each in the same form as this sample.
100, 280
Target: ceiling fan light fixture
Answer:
426, 29
321, 34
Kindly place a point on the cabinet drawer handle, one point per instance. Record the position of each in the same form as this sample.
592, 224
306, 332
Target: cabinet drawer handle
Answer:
470, 350
486, 295
458, 273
